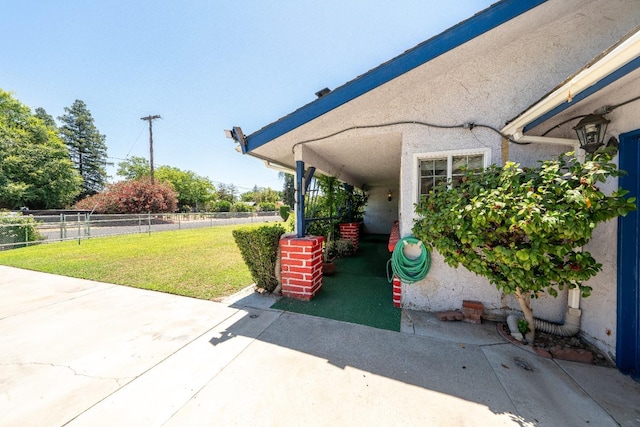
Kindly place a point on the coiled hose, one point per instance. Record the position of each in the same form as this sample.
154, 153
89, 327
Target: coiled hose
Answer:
410, 268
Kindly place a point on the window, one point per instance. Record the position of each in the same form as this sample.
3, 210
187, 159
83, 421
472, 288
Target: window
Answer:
443, 167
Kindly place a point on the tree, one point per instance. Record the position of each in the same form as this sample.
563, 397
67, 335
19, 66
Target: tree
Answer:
260, 195
35, 170
227, 192
134, 168
288, 189
522, 228
193, 190
86, 146
46, 118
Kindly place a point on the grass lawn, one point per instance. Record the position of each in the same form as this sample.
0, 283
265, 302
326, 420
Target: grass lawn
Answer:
201, 263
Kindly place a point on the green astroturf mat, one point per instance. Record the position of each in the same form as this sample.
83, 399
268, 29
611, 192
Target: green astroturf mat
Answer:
358, 292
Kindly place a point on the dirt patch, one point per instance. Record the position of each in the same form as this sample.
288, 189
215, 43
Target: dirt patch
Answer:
556, 345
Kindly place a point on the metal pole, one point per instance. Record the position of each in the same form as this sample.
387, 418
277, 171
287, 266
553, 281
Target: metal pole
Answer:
79, 229
149, 217
300, 226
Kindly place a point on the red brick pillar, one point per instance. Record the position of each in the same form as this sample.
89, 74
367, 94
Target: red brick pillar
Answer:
397, 291
301, 266
351, 231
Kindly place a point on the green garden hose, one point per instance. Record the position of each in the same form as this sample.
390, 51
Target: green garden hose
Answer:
409, 269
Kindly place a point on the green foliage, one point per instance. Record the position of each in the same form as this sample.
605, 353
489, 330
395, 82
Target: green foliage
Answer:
288, 189
267, 206
285, 212
227, 192
242, 207
260, 195
221, 206
17, 229
522, 228
134, 168
290, 223
139, 196
340, 248
338, 202
523, 326
35, 170
259, 248
86, 145
194, 191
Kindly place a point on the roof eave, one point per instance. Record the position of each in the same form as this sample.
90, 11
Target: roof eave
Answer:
482, 22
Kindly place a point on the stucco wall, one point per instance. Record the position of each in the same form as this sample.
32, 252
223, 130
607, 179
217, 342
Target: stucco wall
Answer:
380, 213
489, 86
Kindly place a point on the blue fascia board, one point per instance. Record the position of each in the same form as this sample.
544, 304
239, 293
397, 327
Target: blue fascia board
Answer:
600, 84
490, 18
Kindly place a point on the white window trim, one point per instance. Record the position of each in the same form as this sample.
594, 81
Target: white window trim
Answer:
418, 157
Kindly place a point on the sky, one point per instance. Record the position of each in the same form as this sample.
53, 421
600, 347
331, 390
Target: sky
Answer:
202, 65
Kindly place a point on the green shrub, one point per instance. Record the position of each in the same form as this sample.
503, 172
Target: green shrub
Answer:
259, 249
290, 223
222, 206
242, 207
266, 206
16, 228
284, 212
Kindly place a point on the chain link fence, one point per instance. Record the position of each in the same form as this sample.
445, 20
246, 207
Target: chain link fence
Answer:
19, 231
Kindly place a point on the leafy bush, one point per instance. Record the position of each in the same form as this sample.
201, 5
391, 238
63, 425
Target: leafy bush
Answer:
222, 206
522, 228
284, 212
16, 228
243, 207
341, 247
267, 206
138, 196
259, 249
290, 223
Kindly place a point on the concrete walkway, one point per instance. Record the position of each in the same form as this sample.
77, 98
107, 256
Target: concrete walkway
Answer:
81, 353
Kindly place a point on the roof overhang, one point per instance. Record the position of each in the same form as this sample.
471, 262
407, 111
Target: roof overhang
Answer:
484, 21
610, 66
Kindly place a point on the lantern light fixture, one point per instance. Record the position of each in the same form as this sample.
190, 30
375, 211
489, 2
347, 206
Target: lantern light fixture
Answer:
591, 130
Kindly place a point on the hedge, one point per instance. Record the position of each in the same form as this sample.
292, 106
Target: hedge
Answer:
259, 250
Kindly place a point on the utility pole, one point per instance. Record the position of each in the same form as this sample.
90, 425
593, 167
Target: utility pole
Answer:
150, 119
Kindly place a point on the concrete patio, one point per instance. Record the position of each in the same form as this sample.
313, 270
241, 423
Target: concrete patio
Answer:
76, 352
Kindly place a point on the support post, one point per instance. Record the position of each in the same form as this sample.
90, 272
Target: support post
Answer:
300, 222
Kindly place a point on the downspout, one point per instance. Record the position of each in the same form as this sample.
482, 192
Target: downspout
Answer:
571, 325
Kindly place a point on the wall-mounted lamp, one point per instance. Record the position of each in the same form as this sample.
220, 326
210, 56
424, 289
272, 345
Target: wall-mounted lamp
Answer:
236, 134
389, 195
591, 130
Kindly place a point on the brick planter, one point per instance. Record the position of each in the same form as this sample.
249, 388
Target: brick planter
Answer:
351, 231
301, 266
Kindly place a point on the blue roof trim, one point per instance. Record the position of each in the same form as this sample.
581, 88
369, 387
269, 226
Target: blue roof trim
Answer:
600, 84
490, 18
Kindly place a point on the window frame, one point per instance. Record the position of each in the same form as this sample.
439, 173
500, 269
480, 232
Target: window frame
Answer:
449, 154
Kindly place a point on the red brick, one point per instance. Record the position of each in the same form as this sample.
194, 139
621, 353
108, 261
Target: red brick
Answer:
471, 312
474, 320
571, 354
477, 305
451, 315
292, 262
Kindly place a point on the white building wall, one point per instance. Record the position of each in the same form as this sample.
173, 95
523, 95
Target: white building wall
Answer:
489, 88
380, 213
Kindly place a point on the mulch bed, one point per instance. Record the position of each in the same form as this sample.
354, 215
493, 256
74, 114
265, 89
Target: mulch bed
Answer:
556, 347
